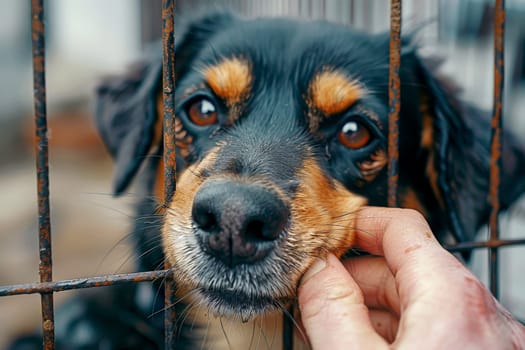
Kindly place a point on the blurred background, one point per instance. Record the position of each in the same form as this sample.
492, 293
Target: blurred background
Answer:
87, 39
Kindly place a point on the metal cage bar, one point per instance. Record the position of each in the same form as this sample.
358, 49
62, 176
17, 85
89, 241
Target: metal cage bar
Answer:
394, 100
79, 283
42, 169
495, 146
169, 149
288, 328
46, 287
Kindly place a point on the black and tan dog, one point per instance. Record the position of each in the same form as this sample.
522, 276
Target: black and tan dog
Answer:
281, 130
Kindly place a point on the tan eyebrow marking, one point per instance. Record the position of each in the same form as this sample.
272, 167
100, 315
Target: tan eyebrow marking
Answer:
231, 80
331, 92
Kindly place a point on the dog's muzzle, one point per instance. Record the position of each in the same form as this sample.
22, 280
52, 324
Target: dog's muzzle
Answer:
236, 222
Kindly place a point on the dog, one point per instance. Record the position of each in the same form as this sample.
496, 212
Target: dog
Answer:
281, 131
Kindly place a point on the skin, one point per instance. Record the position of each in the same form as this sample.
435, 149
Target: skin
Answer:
412, 294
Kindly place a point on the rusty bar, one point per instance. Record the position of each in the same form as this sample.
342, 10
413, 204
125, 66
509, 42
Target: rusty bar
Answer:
170, 160
468, 246
42, 165
495, 146
394, 100
78, 283
288, 328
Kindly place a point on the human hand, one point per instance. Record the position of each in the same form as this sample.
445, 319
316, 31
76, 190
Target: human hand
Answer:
412, 294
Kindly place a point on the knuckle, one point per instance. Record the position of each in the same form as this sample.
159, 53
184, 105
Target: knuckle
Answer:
412, 214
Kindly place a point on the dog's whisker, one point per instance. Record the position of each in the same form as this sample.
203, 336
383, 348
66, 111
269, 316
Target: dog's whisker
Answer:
206, 333
135, 258
136, 195
261, 331
225, 333
263, 334
252, 337
185, 314
291, 317
112, 248
130, 254
166, 308
195, 315
347, 214
152, 216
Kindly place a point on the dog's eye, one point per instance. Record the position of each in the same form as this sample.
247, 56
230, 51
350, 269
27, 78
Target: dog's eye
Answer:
202, 112
354, 135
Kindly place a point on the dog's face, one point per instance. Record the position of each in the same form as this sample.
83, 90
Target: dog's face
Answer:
281, 130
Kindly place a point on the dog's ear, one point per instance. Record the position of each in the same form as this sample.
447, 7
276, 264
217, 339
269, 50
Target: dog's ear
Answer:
125, 115
456, 141
126, 109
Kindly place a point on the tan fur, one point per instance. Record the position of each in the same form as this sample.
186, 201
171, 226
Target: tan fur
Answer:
231, 79
183, 141
260, 333
179, 212
427, 143
323, 213
427, 132
371, 168
409, 199
331, 92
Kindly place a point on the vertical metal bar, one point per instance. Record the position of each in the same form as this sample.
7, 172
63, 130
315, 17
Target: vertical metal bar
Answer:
394, 100
288, 328
168, 85
495, 147
42, 165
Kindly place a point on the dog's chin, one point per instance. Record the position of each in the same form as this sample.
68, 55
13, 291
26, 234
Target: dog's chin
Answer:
232, 303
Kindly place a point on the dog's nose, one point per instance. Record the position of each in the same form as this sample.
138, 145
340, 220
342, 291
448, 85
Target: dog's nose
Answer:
237, 222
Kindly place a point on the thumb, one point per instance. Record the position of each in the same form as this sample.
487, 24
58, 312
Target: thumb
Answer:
332, 307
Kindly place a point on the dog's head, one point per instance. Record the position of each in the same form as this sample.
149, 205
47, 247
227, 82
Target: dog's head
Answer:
282, 133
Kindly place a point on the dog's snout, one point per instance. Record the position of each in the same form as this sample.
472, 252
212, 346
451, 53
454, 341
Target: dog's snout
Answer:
238, 222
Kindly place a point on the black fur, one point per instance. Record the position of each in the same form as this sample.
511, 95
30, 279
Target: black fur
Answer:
272, 134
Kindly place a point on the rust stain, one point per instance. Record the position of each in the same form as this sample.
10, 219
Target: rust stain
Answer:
169, 148
42, 165
496, 147
394, 100
79, 283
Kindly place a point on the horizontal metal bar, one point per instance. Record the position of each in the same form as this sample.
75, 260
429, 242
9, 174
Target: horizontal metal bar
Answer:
108, 280
79, 283
497, 243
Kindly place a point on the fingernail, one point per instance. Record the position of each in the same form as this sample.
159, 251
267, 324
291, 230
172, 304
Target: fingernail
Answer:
318, 265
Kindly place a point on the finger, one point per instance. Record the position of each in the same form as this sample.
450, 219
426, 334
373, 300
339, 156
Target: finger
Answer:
333, 310
395, 229
412, 253
429, 280
376, 282
385, 324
